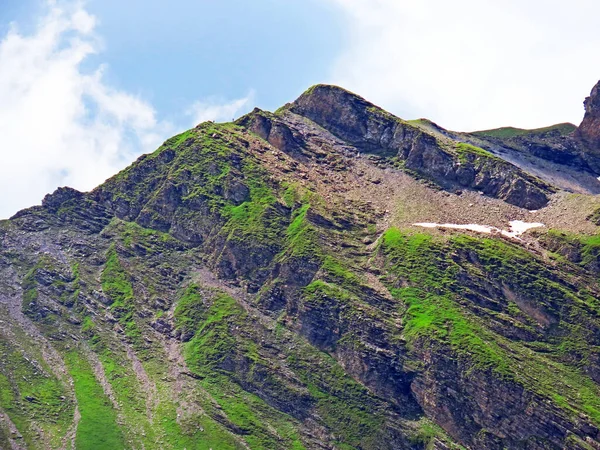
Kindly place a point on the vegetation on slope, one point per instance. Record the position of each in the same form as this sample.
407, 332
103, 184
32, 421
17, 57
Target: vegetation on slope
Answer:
510, 132
98, 427
301, 346
446, 280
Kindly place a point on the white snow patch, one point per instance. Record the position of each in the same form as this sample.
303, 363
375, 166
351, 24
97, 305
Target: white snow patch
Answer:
598, 178
517, 227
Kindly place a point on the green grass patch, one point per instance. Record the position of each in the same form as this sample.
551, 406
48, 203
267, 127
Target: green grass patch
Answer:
116, 284
562, 129
205, 354
115, 281
318, 290
212, 341
98, 427
190, 309
436, 317
302, 238
467, 152
34, 399
432, 278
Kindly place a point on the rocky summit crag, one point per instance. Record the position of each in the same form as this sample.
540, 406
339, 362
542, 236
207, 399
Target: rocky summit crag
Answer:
264, 284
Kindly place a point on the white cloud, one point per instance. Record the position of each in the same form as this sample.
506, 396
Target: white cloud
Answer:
219, 110
472, 64
61, 125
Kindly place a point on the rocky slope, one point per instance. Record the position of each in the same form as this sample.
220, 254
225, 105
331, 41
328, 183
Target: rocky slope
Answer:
262, 285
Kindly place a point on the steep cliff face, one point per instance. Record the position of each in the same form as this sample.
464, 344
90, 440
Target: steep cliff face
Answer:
589, 129
262, 284
448, 163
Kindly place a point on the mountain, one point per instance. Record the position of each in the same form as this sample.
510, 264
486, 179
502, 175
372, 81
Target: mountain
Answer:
327, 276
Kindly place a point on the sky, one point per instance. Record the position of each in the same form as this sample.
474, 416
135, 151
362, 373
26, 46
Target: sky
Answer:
88, 86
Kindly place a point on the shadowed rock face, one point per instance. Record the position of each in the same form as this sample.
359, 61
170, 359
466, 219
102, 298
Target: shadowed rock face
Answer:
589, 129
351, 118
374, 131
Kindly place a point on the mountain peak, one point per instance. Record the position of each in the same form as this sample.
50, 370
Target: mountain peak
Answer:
589, 130
345, 114
321, 89
323, 99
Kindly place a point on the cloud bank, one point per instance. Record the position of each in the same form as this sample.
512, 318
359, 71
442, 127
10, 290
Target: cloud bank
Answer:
63, 125
472, 64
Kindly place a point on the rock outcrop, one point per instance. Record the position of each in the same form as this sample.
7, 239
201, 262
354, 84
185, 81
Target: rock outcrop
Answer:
588, 131
453, 166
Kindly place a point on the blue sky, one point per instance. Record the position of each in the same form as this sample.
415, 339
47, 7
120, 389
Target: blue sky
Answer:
88, 86
171, 53
197, 49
